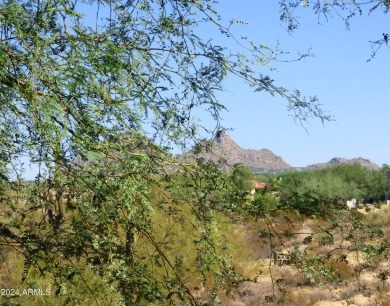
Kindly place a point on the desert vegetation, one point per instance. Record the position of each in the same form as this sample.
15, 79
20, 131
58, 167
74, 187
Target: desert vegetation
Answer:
93, 96
284, 246
338, 182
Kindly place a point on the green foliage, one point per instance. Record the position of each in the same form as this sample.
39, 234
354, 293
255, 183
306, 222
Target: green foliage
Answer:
242, 177
87, 89
337, 182
112, 218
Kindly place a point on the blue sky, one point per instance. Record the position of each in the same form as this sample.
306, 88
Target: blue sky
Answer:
353, 91
350, 89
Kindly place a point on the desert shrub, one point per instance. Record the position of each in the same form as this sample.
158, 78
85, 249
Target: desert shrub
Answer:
380, 218
291, 277
336, 182
341, 268
242, 177
265, 201
307, 203
383, 276
307, 297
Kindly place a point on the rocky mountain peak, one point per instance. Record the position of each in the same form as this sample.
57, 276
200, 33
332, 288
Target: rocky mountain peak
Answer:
225, 152
339, 160
223, 139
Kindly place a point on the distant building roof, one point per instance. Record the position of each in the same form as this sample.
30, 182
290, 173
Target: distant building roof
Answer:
260, 186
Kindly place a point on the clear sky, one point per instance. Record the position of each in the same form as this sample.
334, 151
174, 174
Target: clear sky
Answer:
355, 92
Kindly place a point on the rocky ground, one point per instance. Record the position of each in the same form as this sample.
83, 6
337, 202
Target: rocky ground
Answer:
290, 286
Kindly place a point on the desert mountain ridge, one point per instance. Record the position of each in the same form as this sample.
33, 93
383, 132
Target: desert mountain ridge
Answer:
339, 160
225, 152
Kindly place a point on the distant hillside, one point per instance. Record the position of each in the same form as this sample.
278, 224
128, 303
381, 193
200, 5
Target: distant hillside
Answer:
338, 160
224, 152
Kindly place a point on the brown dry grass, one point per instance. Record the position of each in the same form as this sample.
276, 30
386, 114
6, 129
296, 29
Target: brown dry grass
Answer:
287, 285
251, 249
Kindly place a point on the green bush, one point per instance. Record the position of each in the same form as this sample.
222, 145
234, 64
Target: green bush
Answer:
338, 182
